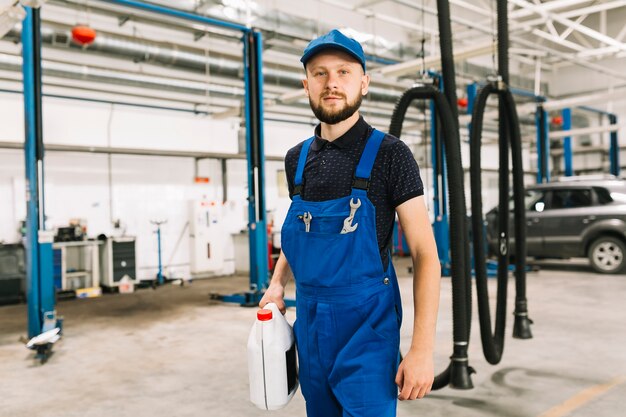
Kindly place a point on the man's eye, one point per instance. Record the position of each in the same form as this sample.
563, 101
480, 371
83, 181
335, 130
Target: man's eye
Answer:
344, 72
320, 73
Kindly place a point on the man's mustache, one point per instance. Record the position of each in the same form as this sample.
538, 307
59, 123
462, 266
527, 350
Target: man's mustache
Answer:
326, 94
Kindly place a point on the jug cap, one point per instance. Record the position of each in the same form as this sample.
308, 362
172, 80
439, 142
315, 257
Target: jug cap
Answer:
264, 315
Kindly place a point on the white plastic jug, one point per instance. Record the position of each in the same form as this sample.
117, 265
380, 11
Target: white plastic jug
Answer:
272, 360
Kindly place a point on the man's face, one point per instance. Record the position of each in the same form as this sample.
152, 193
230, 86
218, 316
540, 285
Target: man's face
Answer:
335, 84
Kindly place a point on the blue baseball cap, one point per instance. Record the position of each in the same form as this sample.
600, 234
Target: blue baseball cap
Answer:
334, 40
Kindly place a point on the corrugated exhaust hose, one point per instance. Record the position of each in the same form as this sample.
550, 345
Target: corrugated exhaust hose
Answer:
493, 344
457, 375
509, 134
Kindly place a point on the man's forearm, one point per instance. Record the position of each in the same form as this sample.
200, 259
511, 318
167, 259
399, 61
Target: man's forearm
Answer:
426, 280
282, 271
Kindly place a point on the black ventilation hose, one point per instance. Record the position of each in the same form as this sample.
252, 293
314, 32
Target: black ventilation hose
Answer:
503, 143
449, 89
458, 373
508, 126
493, 344
521, 327
447, 58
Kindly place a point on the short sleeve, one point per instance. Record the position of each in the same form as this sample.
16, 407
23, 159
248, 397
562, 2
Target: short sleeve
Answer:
291, 163
404, 181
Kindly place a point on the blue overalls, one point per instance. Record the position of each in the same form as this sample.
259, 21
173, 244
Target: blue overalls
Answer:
348, 307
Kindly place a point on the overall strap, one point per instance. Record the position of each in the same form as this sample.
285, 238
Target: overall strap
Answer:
301, 163
364, 168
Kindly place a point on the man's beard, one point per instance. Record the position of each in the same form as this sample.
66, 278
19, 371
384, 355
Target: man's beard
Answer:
330, 117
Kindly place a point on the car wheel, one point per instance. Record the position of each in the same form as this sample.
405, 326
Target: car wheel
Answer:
608, 255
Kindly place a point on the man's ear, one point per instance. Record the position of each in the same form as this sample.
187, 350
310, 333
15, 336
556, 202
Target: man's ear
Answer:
365, 84
305, 84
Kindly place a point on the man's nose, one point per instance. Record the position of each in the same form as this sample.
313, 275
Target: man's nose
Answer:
332, 81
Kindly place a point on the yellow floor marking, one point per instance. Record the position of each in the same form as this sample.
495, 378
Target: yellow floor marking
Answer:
582, 398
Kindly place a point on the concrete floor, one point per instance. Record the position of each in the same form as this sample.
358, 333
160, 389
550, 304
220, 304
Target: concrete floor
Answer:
173, 353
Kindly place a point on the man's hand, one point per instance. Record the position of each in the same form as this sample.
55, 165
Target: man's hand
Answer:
274, 294
415, 376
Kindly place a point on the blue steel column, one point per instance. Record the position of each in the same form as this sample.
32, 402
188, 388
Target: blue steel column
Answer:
32, 201
154, 8
472, 92
546, 146
160, 278
543, 145
253, 78
38, 244
614, 149
567, 142
441, 225
259, 268
47, 291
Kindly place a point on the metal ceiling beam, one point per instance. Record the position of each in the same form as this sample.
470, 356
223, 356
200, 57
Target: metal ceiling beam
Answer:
471, 7
547, 7
484, 27
566, 22
570, 29
526, 25
385, 18
572, 58
558, 40
413, 66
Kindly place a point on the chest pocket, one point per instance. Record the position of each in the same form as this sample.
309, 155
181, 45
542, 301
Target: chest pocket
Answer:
322, 224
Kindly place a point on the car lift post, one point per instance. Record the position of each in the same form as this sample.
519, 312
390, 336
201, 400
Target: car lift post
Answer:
543, 144
253, 80
441, 224
38, 241
566, 113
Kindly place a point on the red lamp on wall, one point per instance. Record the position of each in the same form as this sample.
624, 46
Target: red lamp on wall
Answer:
557, 120
83, 35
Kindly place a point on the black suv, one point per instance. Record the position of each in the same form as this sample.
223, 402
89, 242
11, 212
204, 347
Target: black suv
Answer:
573, 217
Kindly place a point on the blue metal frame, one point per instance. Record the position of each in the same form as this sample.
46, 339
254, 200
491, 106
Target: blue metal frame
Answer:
543, 126
567, 146
441, 224
39, 265
160, 279
179, 13
472, 92
253, 80
567, 142
35, 320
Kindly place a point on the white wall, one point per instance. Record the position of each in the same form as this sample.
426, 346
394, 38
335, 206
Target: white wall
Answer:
145, 188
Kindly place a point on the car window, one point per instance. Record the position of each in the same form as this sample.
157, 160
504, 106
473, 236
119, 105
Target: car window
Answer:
604, 196
564, 199
534, 200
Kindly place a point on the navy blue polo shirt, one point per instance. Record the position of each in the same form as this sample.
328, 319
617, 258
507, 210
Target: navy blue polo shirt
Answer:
330, 168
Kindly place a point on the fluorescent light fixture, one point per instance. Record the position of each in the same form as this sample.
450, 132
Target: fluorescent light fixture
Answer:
241, 4
356, 35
